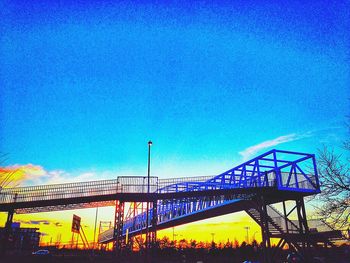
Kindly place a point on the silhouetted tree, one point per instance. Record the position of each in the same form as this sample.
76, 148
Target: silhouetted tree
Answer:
165, 242
201, 244
193, 243
334, 172
183, 243
228, 244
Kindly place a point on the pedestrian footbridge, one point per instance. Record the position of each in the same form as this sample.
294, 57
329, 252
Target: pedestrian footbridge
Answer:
253, 186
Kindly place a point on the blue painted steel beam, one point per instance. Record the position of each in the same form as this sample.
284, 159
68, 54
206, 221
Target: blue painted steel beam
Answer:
265, 170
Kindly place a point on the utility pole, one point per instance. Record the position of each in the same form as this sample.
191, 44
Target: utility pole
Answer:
94, 241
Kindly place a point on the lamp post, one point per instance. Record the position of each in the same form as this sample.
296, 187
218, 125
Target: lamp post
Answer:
148, 190
149, 165
247, 228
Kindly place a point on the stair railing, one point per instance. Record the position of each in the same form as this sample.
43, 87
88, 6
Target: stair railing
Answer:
278, 218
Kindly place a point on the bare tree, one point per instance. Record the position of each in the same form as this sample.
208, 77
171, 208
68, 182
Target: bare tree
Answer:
334, 172
6, 173
5, 177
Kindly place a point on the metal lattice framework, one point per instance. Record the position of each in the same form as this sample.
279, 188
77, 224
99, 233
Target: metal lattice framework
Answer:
287, 170
279, 170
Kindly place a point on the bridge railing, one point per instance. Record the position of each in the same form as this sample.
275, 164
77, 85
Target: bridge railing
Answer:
282, 169
298, 181
138, 184
269, 180
59, 191
283, 222
171, 183
123, 184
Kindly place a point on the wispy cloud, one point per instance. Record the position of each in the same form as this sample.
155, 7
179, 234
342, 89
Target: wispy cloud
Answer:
60, 176
29, 174
38, 222
35, 222
252, 150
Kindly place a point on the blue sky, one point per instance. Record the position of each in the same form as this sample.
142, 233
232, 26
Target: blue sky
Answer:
85, 86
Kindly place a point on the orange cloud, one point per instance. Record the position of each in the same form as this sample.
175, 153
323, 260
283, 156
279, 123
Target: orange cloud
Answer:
15, 175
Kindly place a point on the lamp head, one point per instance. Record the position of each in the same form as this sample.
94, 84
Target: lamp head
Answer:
150, 143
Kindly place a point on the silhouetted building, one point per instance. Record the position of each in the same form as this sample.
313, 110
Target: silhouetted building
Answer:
22, 238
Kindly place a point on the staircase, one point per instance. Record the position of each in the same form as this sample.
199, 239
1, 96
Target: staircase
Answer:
282, 227
273, 227
278, 227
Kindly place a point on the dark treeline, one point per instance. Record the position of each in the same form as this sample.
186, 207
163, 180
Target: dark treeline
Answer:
191, 251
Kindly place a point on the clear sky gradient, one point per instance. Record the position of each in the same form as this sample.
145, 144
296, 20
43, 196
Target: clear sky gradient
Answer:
85, 84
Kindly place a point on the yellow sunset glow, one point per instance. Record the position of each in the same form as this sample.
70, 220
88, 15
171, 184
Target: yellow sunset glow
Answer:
56, 226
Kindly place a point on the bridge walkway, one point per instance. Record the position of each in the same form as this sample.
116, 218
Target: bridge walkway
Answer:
275, 176
281, 175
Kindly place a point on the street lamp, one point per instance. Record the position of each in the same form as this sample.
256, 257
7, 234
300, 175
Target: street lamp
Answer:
148, 190
149, 165
212, 237
247, 228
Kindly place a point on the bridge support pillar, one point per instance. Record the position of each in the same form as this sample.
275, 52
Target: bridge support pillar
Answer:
265, 233
153, 233
118, 226
303, 226
7, 232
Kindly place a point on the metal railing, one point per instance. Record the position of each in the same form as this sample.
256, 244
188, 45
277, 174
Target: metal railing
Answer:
282, 169
282, 221
59, 191
128, 184
169, 182
123, 184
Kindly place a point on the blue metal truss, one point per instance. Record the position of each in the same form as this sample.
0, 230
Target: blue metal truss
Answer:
286, 170
282, 170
